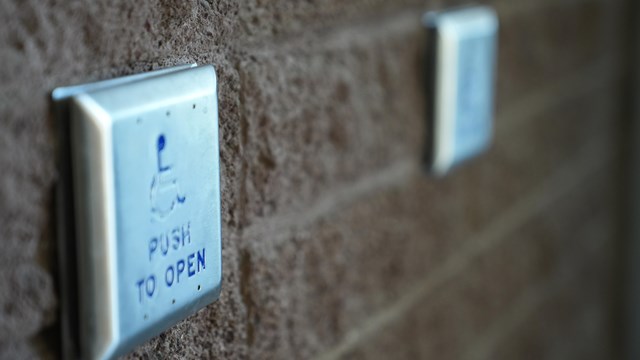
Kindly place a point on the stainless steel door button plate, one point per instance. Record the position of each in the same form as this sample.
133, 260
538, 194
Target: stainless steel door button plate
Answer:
461, 64
144, 179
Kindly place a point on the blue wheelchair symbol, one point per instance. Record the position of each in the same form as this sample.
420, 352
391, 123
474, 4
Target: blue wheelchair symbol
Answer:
165, 191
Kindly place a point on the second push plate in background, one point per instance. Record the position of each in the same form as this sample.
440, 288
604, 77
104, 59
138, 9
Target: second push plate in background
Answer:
145, 164
461, 64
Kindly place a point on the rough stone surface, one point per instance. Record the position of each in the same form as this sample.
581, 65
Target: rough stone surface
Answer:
358, 110
511, 283
574, 322
534, 44
306, 286
327, 221
360, 100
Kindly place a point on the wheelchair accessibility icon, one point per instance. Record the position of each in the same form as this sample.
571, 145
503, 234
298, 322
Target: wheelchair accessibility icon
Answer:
165, 192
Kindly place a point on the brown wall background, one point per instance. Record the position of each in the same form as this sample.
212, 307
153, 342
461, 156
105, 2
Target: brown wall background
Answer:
336, 244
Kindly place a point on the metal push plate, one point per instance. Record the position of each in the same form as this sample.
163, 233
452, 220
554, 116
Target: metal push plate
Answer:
461, 64
145, 173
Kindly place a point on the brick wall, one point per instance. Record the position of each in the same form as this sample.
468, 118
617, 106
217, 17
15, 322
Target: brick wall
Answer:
335, 242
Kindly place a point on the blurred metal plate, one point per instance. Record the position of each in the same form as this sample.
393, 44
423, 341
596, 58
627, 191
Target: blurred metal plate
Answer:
461, 65
145, 172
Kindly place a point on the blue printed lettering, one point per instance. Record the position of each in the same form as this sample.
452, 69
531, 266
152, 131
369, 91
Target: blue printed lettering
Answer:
140, 283
170, 240
177, 239
169, 276
150, 285
153, 246
146, 286
164, 244
201, 259
186, 233
191, 265
180, 269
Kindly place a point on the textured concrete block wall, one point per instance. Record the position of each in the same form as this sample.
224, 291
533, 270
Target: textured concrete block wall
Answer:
336, 244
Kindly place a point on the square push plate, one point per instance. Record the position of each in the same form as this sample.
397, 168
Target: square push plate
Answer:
145, 185
461, 66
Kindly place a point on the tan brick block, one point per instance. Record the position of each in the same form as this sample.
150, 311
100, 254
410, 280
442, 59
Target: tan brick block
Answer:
328, 114
538, 47
101, 37
18, 350
576, 322
264, 20
449, 321
310, 285
529, 149
28, 304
